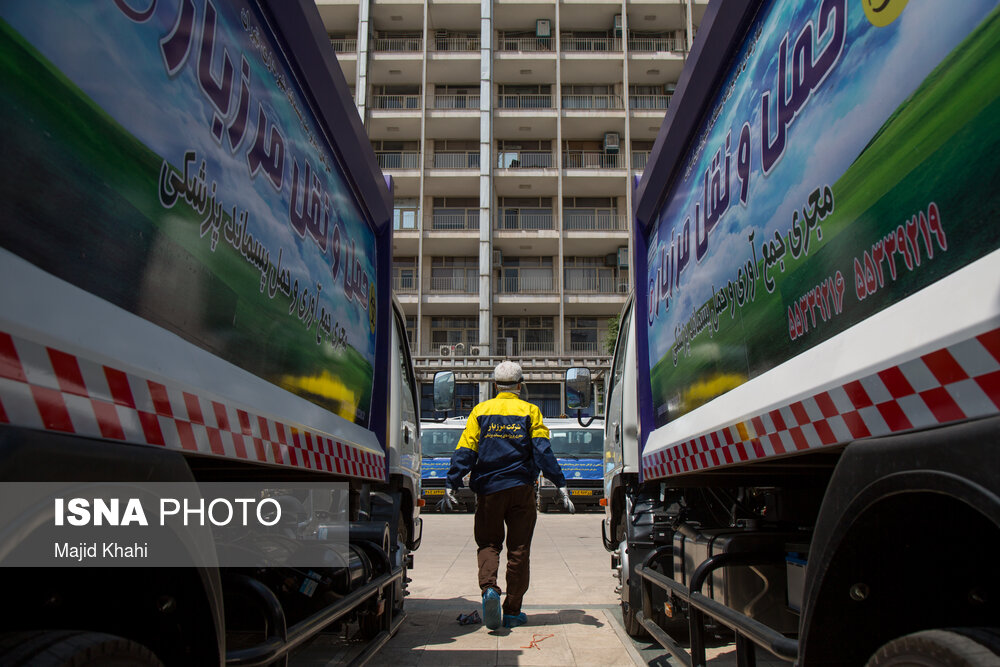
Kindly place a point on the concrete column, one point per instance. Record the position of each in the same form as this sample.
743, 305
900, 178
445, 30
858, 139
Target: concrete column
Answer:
485, 183
364, 54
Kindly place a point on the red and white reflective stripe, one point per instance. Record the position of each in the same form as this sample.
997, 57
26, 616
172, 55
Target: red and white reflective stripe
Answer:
958, 382
45, 388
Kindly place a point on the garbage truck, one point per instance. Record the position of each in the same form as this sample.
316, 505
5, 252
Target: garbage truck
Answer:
802, 409
195, 289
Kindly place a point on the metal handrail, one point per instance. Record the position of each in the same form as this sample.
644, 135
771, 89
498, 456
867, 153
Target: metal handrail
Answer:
590, 44
591, 160
593, 284
585, 102
456, 160
653, 44
513, 219
531, 44
453, 284
470, 43
518, 348
404, 284
396, 102
456, 221
593, 220
524, 160
462, 102
518, 284
648, 102
398, 159
398, 44
639, 159
344, 44
524, 102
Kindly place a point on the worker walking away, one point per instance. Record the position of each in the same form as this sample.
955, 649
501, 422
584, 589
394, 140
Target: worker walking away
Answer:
505, 444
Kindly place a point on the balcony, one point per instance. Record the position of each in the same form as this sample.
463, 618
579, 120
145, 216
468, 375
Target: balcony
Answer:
468, 284
523, 44
648, 102
512, 347
593, 221
589, 281
404, 284
344, 44
456, 160
592, 160
584, 348
514, 219
524, 102
398, 44
524, 160
532, 282
398, 159
589, 102
460, 102
572, 44
455, 220
396, 102
653, 44
639, 159
457, 44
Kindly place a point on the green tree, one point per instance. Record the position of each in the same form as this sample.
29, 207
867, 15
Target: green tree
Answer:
611, 335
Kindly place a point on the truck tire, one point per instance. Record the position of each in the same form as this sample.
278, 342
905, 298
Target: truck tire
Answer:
958, 647
632, 626
69, 648
369, 625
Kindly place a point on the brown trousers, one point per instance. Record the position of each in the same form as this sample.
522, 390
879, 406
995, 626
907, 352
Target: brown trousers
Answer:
514, 507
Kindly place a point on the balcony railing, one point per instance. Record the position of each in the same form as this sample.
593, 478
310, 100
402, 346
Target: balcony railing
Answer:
457, 160
512, 219
593, 44
452, 220
398, 44
403, 102
584, 280
530, 44
524, 101
571, 102
470, 43
512, 347
592, 160
583, 347
524, 160
398, 159
512, 282
344, 44
639, 159
453, 284
650, 102
654, 44
592, 220
404, 284
456, 102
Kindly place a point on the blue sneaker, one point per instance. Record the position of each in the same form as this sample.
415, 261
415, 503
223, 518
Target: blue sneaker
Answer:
491, 608
512, 621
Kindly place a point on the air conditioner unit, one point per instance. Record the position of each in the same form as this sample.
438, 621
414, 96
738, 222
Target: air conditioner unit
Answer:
460, 349
497, 257
474, 351
623, 257
618, 25
445, 350
611, 142
543, 28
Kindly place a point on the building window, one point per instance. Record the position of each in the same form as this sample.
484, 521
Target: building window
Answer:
524, 336
546, 396
584, 335
455, 274
466, 397
452, 332
404, 274
404, 214
411, 330
531, 213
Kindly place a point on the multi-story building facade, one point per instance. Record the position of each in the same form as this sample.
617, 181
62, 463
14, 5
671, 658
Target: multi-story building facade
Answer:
512, 131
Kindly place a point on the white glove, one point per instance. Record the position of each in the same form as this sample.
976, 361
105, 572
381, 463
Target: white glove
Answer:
564, 499
449, 502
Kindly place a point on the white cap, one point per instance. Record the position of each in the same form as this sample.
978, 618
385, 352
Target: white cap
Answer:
507, 373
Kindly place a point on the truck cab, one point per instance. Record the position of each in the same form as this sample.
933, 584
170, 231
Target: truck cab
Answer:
438, 440
580, 452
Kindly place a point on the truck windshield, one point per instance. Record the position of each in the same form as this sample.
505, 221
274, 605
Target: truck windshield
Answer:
577, 443
439, 442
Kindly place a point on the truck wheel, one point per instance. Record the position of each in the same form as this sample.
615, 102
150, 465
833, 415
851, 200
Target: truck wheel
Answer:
370, 625
958, 647
67, 648
632, 626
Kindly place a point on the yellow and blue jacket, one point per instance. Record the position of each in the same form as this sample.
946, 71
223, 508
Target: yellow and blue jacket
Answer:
504, 444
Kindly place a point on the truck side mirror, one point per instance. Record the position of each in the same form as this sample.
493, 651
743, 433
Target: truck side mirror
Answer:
578, 388
444, 391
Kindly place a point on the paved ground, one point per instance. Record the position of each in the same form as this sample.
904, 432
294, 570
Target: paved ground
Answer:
573, 613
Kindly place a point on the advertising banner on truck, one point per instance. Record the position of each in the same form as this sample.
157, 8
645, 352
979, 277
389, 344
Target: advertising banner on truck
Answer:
205, 196
850, 158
